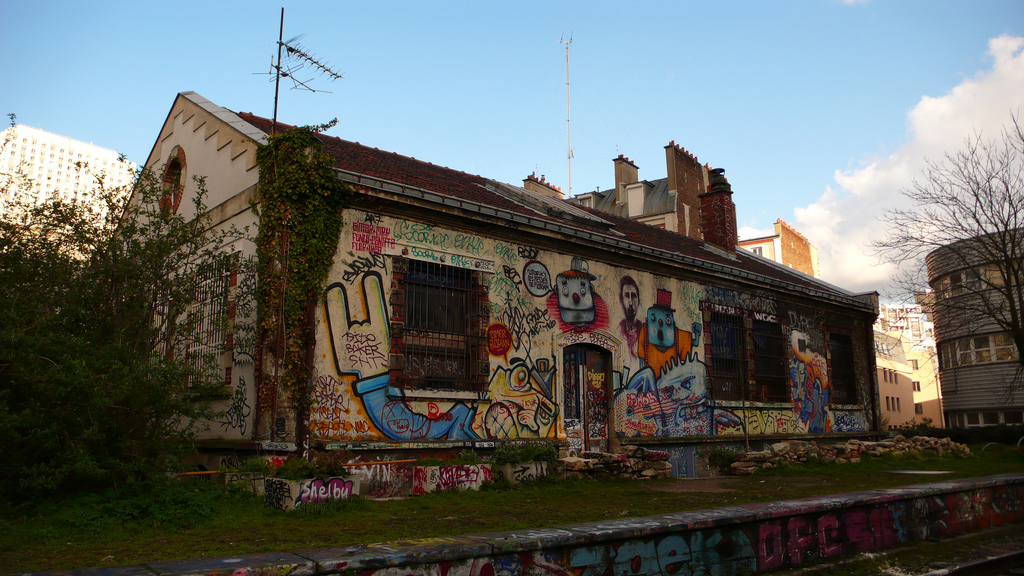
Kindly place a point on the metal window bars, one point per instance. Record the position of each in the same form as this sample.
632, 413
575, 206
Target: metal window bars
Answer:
438, 335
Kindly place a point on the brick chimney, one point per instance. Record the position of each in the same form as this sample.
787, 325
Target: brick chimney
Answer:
718, 212
542, 186
688, 179
625, 173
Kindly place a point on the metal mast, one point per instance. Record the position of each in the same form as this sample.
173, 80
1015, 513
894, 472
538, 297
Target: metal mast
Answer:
277, 69
300, 58
568, 131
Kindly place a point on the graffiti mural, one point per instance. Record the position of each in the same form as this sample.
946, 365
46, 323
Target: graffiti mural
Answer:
534, 305
849, 421
434, 478
386, 408
661, 341
236, 417
630, 326
384, 479
784, 535
522, 403
757, 421
668, 395
808, 378
574, 302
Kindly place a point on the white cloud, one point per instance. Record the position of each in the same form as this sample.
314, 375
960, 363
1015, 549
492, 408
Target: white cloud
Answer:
843, 221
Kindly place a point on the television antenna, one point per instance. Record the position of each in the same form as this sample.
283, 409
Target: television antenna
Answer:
299, 58
568, 130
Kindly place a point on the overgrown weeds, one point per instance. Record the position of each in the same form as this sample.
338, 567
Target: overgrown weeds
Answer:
164, 519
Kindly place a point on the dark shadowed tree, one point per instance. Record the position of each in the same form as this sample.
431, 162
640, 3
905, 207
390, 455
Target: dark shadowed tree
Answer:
963, 234
98, 307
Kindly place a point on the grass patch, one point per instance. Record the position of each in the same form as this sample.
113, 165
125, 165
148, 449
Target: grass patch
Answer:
163, 520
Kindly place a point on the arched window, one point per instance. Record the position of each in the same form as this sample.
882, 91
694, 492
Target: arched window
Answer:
173, 181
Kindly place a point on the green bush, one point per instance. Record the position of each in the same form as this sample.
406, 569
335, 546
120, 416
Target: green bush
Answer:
257, 465
465, 458
296, 468
95, 388
528, 451
331, 462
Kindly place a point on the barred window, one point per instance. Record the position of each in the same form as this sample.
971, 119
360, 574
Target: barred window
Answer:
843, 376
771, 363
439, 340
727, 336
748, 360
210, 317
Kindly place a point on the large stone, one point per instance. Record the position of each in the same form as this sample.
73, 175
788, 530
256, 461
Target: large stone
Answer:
573, 463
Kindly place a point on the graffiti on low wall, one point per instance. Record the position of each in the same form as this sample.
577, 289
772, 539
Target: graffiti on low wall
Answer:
432, 478
708, 542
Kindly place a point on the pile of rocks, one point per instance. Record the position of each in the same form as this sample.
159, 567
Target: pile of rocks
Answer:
797, 451
633, 462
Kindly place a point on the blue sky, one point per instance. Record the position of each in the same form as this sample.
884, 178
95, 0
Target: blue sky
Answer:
816, 109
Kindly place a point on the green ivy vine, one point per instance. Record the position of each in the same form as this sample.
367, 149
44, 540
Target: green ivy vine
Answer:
299, 205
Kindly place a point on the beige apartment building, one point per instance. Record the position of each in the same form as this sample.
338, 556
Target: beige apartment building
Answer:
910, 324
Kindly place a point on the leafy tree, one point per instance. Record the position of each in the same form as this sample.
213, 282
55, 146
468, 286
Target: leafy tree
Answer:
966, 215
98, 302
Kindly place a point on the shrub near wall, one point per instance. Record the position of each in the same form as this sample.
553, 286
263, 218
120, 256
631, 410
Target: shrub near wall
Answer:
524, 462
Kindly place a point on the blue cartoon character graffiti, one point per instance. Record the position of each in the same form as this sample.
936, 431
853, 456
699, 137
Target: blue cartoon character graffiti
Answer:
660, 339
574, 302
668, 395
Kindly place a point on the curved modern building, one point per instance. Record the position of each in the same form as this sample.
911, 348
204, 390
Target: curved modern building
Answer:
972, 302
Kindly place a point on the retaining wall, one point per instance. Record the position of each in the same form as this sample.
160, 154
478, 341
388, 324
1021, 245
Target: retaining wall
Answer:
753, 538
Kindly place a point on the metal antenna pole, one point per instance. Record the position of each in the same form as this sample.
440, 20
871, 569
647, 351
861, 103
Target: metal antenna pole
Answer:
568, 130
277, 76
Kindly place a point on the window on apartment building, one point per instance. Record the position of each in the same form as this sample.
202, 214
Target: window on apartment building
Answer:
1013, 418
917, 386
438, 341
843, 374
898, 409
914, 365
997, 347
918, 408
888, 403
727, 337
757, 250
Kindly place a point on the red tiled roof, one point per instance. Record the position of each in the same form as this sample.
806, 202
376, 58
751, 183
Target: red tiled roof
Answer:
354, 157
374, 163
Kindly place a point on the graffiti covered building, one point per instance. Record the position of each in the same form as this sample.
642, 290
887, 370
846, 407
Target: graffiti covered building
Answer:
464, 312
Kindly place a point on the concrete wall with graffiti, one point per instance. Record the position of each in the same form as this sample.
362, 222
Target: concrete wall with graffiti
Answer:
576, 349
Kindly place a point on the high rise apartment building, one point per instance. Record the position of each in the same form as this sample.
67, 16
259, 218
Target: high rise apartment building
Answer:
40, 165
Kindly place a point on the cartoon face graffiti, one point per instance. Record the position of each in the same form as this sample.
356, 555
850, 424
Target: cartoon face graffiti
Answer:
661, 327
660, 339
575, 291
